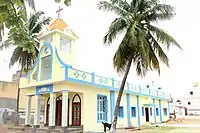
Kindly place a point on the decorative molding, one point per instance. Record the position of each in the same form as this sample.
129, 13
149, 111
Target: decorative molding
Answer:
44, 89
76, 76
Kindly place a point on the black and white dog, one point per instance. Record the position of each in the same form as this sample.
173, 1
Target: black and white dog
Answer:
106, 125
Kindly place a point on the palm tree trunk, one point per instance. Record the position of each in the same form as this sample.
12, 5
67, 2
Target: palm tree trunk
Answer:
18, 97
114, 123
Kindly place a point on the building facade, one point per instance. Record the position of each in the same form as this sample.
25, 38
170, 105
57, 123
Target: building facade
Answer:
78, 98
8, 100
191, 101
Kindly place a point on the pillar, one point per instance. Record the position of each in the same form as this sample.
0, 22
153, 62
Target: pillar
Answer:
168, 110
37, 112
52, 110
65, 110
112, 104
28, 110
128, 104
138, 109
160, 111
154, 110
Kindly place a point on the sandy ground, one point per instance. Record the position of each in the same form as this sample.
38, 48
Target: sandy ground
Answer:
187, 126
190, 124
188, 120
165, 130
185, 130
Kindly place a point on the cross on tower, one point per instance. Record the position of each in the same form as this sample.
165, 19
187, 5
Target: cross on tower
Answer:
58, 11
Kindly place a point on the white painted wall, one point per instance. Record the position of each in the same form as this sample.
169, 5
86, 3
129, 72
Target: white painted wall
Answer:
194, 107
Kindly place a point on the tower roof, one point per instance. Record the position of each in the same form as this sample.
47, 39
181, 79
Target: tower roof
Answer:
58, 24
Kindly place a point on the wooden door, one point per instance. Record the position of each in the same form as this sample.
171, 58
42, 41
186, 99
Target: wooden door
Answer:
147, 114
58, 112
68, 113
76, 114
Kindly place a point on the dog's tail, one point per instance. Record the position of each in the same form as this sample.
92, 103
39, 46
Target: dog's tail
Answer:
103, 123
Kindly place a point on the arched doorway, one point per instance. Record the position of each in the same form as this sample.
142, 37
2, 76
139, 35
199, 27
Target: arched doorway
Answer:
76, 110
58, 117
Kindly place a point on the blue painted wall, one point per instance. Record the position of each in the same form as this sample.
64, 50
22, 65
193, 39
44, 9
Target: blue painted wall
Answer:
112, 104
128, 109
138, 110
160, 106
154, 108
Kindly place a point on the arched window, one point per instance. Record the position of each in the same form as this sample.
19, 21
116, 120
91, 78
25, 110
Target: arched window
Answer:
76, 99
76, 110
46, 64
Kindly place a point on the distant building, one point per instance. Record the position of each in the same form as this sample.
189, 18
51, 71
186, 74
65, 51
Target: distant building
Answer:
8, 92
15, 77
8, 97
191, 100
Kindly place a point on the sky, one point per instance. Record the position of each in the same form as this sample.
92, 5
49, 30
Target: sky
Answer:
90, 25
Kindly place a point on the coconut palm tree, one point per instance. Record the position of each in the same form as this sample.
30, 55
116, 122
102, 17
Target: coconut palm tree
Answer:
26, 44
143, 42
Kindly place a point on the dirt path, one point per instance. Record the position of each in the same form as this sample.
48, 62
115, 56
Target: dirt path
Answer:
186, 130
188, 120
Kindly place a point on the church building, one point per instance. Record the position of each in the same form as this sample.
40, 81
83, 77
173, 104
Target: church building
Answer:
76, 98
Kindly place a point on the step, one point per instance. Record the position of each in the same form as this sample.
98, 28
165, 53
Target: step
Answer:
44, 130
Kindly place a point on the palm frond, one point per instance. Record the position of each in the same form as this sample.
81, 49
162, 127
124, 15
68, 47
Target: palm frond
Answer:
163, 37
124, 5
133, 6
118, 26
159, 12
141, 65
143, 5
106, 6
27, 59
158, 50
142, 43
153, 60
31, 4
34, 18
121, 57
36, 23
130, 37
6, 44
39, 25
15, 56
126, 50
140, 6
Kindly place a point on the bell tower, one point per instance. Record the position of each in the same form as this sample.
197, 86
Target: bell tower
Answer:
62, 38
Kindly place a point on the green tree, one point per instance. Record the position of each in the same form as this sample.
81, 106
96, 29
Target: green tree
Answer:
26, 43
12, 12
142, 43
